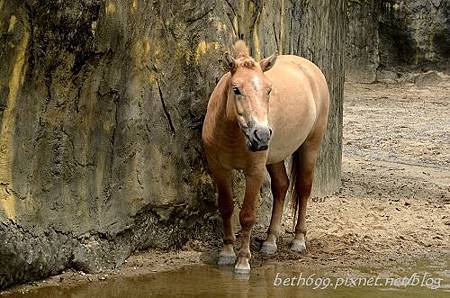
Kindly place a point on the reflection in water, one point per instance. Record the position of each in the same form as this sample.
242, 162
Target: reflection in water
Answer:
210, 281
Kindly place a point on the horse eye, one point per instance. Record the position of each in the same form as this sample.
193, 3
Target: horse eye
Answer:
268, 92
236, 91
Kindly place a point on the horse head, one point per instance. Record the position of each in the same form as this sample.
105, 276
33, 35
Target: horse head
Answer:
248, 95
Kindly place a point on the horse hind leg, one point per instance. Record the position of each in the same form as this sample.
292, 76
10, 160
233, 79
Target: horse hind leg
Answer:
303, 169
279, 185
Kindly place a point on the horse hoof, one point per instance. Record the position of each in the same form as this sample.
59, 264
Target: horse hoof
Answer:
242, 266
242, 271
268, 248
298, 246
226, 260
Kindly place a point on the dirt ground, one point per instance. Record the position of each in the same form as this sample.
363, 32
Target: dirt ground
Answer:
394, 206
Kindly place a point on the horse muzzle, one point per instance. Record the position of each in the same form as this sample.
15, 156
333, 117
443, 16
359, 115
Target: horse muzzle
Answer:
258, 138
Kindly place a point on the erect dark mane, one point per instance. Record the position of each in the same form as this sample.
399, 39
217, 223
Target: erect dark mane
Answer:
242, 55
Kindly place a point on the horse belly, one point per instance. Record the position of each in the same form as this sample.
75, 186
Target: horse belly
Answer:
281, 148
291, 120
293, 105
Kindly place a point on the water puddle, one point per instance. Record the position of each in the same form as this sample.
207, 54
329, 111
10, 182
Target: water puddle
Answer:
275, 280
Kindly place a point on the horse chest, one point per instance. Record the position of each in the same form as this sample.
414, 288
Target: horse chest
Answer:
235, 158
243, 159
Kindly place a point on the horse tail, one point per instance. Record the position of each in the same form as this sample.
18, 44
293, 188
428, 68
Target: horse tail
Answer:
295, 194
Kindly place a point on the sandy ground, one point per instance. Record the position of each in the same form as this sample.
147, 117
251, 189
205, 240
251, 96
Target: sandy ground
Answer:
394, 206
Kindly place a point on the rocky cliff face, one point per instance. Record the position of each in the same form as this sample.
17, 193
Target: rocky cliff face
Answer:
101, 107
414, 33
392, 34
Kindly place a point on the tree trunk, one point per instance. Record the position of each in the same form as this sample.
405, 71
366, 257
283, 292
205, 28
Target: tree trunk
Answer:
318, 30
101, 106
361, 54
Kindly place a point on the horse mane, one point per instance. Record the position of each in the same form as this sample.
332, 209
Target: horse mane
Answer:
240, 49
242, 55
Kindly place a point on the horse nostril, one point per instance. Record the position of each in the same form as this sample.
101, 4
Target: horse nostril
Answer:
262, 134
255, 133
270, 132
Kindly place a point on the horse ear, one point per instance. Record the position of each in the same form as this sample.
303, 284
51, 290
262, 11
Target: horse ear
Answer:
228, 62
268, 62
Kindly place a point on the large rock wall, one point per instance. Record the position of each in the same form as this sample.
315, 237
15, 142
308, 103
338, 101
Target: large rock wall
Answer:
414, 33
100, 151
101, 107
392, 34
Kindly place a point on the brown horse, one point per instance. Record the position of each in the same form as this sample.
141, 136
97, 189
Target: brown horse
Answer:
258, 115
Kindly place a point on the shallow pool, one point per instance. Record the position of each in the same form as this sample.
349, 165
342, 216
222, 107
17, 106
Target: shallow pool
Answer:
274, 280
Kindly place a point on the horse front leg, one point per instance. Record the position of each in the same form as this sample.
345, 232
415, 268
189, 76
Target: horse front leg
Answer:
247, 218
226, 206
